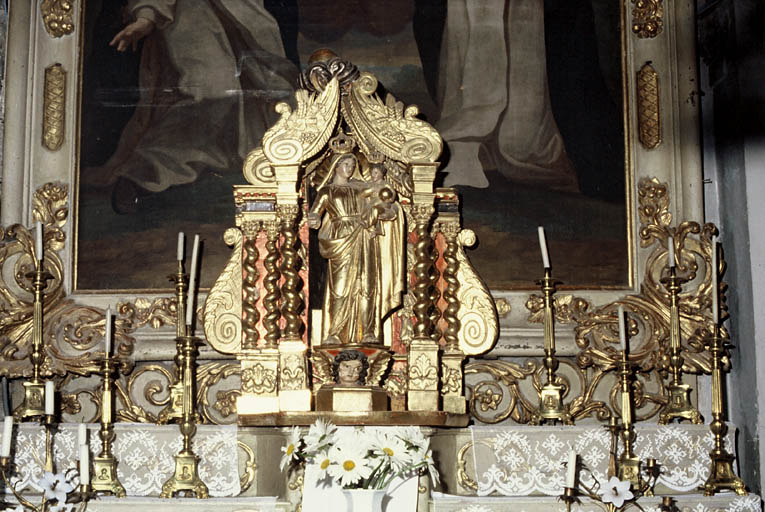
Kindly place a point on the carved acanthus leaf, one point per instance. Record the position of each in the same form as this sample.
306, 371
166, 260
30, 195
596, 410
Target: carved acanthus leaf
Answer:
223, 307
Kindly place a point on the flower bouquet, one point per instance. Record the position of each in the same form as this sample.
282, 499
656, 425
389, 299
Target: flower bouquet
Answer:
368, 458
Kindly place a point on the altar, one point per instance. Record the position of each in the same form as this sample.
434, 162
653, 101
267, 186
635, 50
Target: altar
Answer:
349, 347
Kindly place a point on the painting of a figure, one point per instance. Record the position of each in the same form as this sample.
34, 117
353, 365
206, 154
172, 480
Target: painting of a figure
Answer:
527, 95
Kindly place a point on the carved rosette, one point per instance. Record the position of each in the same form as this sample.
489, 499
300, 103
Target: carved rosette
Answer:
58, 17
647, 18
54, 107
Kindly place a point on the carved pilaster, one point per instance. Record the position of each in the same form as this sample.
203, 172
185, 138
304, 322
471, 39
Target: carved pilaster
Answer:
422, 393
291, 300
249, 304
271, 285
294, 394
260, 370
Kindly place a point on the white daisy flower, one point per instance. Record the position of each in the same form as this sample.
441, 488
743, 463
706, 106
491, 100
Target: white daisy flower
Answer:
292, 448
322, 462
616, 492
321, 433
348, 465
414, 437
391, 447
431, 465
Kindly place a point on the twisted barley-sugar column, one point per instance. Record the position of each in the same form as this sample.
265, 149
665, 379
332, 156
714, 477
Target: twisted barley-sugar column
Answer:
450, 231
291, 300
249, 307
435, 294
271, 285
423, 326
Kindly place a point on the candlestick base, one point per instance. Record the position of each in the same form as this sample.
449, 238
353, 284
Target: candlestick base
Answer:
34, 401
679, 406
551, 407
105, 479
186, 478
721, 475
629, 470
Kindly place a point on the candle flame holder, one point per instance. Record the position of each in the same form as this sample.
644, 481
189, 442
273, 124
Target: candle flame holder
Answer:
551, 407
33, 405
678, 406
104, 477
721, 474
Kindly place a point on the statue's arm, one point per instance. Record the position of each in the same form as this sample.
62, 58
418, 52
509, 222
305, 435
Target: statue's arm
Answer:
317, 210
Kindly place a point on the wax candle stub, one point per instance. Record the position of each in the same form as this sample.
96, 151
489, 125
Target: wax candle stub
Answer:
82, 434
671, 247
84, 465
715, 286
543, 247
571, 470
108, 338
181, 242
50, 397
192, 282
622, 330
39, 240
7, 436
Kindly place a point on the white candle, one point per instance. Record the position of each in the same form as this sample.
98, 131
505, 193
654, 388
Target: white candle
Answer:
622, 330
82, 434
180, 246
192, 282
571, 470
543, 247
671, 247
39, 240
715, 288
108, 331
50, 397
84, 464
7, 436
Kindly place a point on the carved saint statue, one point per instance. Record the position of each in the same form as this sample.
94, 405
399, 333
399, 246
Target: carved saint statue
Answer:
361, 234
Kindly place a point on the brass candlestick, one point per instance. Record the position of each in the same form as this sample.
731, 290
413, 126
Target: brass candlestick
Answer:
721, 474
174, 409
678, 405
104, 479
34, 390
186, 477
629, 463
551, 406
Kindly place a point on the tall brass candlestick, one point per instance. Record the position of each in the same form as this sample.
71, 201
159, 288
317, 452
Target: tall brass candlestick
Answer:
34, 390
551, 407
678, 405
105, 478
174, 409
629, 463
721, 474
186, 477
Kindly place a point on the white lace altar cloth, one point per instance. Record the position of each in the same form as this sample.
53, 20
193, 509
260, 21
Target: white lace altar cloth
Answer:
145, 455
686, 503
526, 460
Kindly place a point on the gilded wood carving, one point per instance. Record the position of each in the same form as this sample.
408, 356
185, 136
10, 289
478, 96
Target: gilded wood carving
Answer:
54, 107
649, 107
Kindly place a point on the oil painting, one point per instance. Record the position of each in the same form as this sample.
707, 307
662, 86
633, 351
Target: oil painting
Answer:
527, 94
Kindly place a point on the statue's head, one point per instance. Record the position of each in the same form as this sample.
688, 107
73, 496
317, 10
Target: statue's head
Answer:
377, 172
344, 167
349, 368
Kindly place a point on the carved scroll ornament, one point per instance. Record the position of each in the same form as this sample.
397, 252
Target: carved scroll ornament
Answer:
498, 388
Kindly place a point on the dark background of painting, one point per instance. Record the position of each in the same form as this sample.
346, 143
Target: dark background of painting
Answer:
586, 231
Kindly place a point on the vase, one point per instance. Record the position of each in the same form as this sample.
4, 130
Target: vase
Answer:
364, 500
